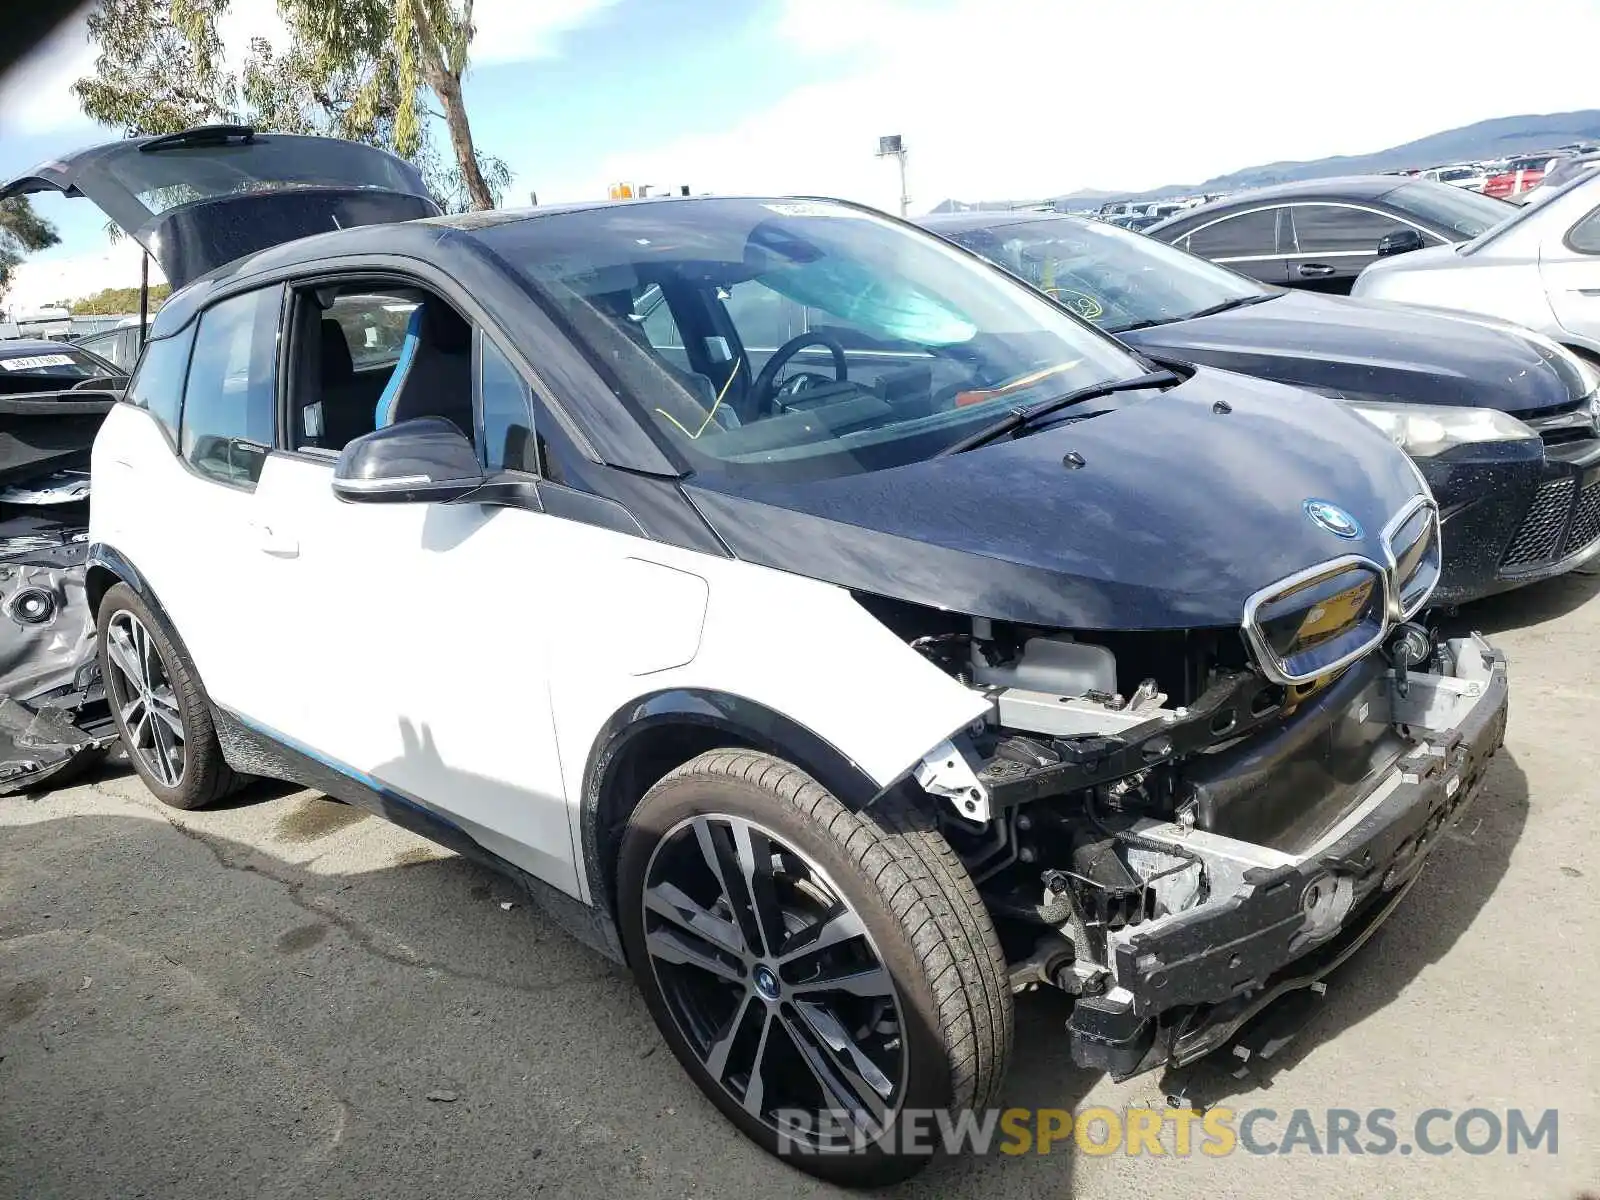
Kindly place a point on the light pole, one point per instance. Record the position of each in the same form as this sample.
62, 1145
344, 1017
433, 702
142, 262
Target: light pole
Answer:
893, 146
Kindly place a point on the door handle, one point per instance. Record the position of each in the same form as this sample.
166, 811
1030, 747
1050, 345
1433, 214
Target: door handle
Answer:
1315, 270
275, 542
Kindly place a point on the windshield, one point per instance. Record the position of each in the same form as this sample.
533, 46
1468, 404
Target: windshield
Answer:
34, 362
1466, 213
799, 338
1107, 275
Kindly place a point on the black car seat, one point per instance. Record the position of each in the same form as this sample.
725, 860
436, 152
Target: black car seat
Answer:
338, 414
433, 376
688, 413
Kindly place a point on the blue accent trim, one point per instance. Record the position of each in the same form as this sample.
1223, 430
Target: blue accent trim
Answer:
408, 352
372, 784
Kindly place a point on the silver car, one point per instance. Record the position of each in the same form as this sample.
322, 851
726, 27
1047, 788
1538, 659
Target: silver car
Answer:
1539, 268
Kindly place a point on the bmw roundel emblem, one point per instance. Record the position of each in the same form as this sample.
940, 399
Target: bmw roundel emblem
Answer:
1333, 518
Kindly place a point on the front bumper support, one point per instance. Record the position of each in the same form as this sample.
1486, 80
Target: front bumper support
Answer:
1182, 983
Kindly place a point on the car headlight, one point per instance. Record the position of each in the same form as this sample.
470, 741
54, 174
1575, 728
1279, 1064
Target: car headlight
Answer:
1423, 430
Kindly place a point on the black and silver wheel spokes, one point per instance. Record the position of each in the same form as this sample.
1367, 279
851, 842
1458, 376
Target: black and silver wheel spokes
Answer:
771, 976
145, 699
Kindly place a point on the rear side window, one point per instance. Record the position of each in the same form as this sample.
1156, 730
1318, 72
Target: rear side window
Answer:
157, 386
1248, 234
1330, 229
1585, 235
229, 403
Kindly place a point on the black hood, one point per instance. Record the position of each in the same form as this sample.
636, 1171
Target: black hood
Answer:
1364, 348
1178, 514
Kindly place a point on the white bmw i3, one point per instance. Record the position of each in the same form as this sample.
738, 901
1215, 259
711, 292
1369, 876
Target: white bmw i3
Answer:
808, 613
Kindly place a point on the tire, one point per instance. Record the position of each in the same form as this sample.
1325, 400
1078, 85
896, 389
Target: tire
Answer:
171, 702
940, 1038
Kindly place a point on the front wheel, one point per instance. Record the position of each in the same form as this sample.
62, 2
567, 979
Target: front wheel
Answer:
824, 976
162, 715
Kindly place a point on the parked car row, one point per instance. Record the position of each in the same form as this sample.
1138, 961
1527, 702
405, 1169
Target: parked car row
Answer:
843, 628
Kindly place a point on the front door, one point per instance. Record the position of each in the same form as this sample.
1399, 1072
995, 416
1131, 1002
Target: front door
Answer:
422, 627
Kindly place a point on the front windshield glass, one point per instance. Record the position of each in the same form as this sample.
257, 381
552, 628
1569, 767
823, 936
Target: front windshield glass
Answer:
1466, 213
799, 338
1107, 275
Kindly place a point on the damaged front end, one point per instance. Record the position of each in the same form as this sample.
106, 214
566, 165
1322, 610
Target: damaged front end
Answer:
1176, 827
53, 712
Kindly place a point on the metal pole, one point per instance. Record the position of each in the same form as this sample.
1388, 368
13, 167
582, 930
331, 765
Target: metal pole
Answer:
905, 199
144, 296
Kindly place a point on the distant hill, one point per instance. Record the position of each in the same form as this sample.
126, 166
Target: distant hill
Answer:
1497, 138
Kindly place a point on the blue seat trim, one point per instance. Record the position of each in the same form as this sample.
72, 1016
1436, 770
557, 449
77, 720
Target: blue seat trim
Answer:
391, 391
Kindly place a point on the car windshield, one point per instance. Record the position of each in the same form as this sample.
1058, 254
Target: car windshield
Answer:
33, 362
799, 338
1534, 209
1107, 275
1466, 213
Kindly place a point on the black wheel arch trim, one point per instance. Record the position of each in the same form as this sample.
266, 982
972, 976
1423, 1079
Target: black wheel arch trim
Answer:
104, 558
741, 720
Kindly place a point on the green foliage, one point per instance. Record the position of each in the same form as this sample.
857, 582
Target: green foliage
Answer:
22, 231
355, 69
112, 301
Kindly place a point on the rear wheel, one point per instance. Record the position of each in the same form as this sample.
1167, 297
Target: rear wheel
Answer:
821, 974
161, 713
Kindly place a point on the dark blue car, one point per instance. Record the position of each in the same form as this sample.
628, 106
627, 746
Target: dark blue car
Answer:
1501, 422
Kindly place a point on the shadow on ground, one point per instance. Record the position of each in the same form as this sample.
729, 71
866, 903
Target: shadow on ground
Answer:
191, 1015
1528, 606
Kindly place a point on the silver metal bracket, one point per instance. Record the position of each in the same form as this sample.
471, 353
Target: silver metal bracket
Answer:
944, 771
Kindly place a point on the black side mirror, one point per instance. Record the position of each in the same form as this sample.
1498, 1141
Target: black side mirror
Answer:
1401, 241
421, 460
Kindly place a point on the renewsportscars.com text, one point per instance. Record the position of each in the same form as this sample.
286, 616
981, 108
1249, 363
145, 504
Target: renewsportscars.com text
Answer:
1216, 1132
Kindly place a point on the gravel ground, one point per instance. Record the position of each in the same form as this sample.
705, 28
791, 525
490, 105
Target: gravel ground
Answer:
282, 997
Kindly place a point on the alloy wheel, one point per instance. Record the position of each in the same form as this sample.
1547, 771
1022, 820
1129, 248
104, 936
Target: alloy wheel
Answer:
772, 978
145, 700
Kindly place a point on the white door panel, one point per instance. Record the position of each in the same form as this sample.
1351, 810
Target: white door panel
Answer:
1573, 283
423, 631
190, 538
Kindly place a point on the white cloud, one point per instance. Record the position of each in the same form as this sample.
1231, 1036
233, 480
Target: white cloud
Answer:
522, 30
1015, 98
35, 97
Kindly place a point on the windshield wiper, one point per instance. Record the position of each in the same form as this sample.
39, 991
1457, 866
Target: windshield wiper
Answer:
1212, 310
1208, 311
1026, 414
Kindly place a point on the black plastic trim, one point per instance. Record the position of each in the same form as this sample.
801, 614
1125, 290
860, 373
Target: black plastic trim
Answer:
253, 750
745, 722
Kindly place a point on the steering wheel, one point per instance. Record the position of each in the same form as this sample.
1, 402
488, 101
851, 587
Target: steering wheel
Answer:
764, 392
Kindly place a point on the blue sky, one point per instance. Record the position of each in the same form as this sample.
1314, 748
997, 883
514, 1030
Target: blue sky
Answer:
994, 97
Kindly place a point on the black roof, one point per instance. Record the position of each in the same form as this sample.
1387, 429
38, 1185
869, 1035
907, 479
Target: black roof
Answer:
1338, 187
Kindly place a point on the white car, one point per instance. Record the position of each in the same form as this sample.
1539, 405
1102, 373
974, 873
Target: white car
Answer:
1540, 268
1470, 178
807, 612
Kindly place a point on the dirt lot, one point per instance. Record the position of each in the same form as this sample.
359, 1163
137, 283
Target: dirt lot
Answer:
286, 998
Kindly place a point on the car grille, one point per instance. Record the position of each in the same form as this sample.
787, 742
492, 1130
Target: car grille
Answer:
1560, 522
1586, 521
